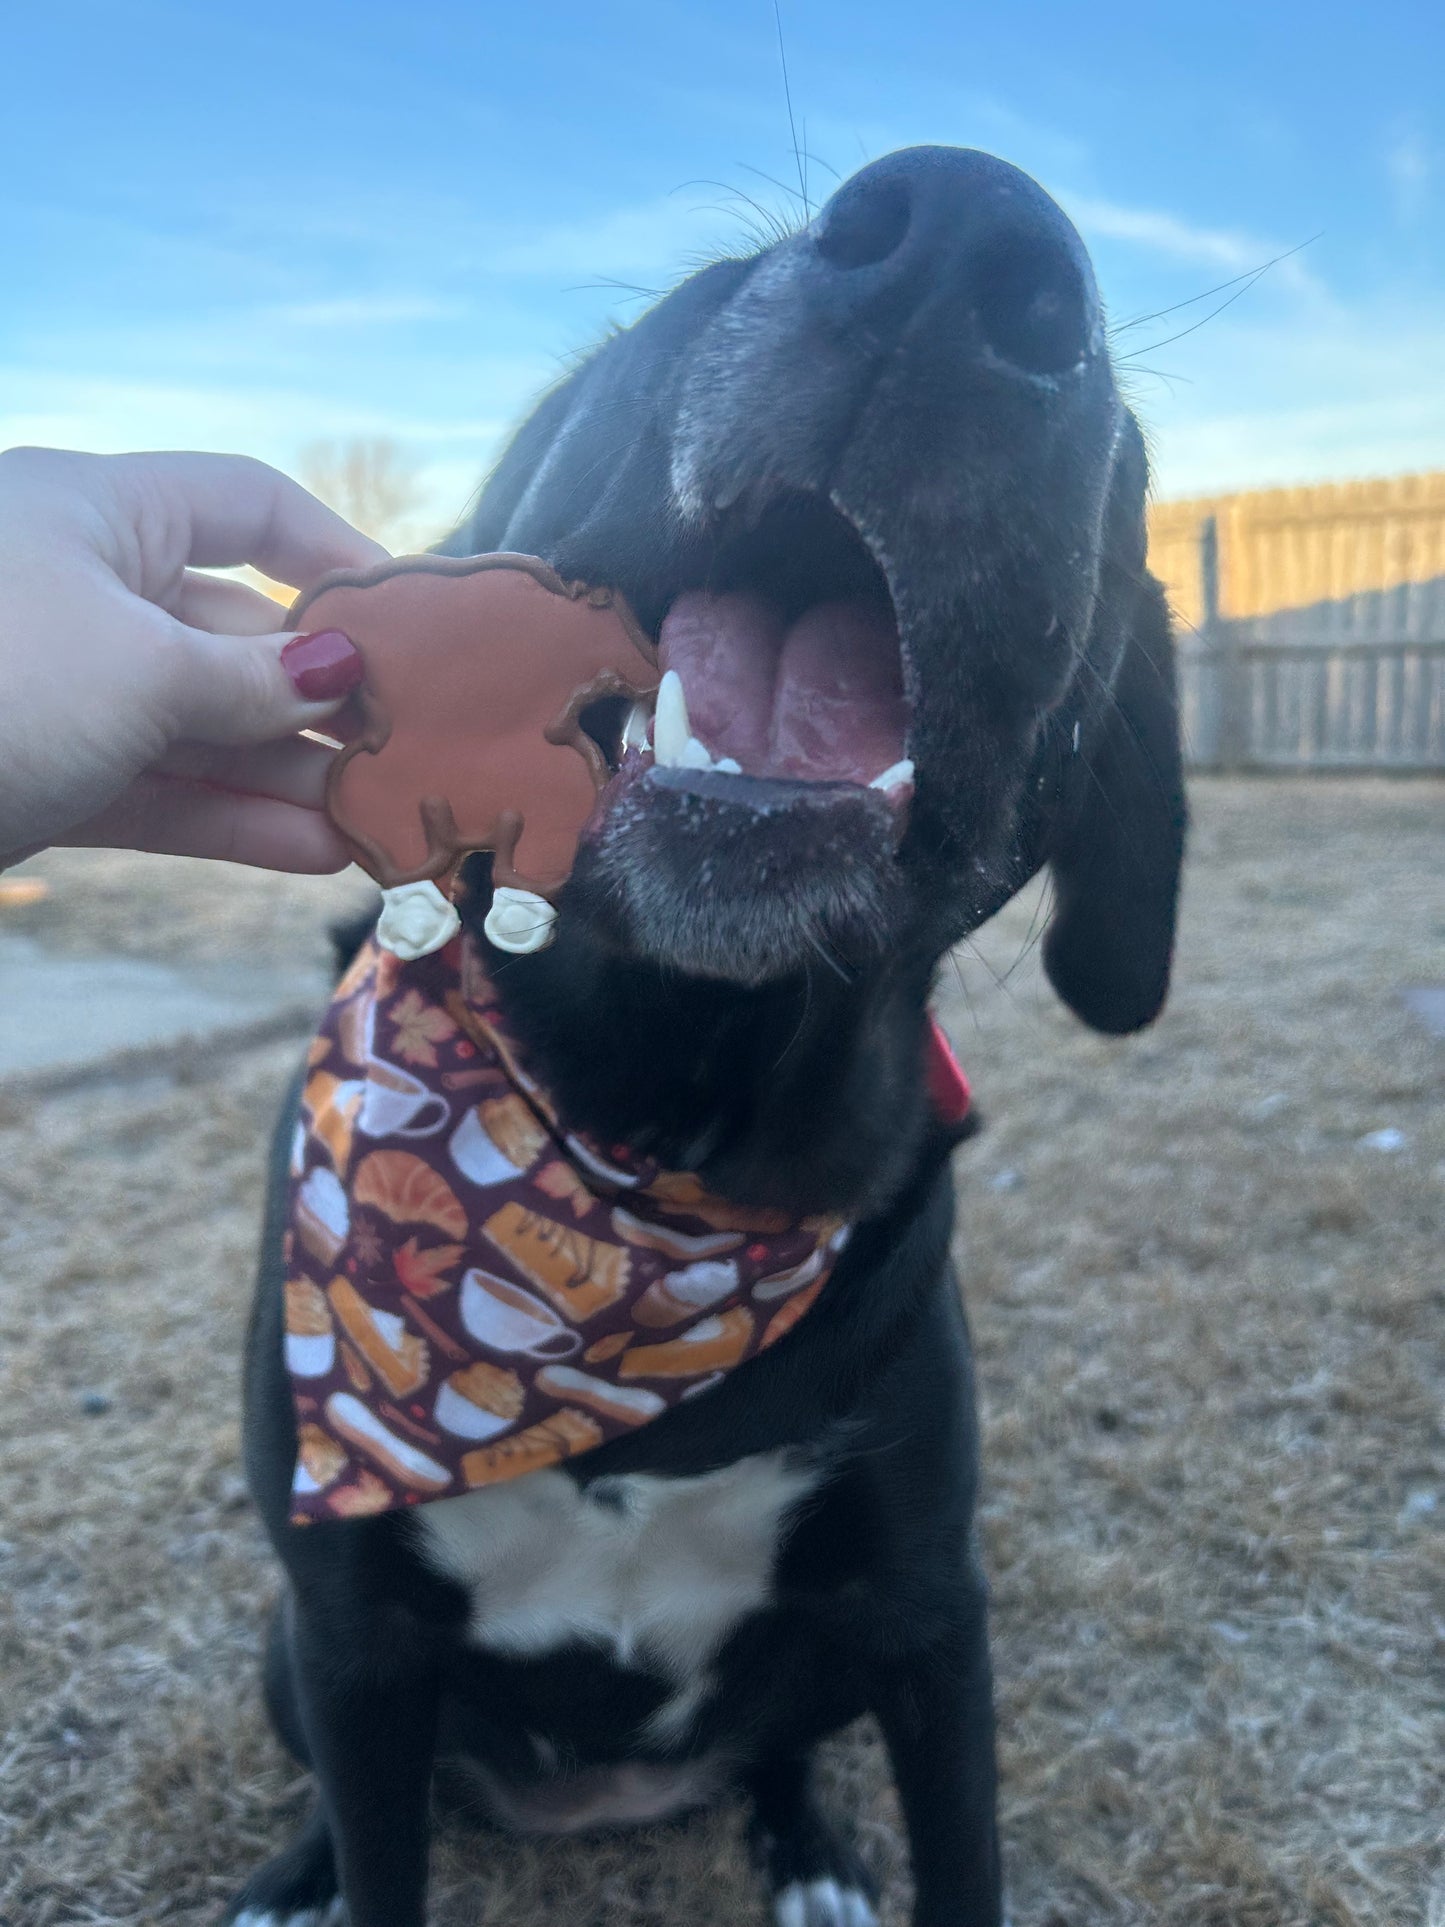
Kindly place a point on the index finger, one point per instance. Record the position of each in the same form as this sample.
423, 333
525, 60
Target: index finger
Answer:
241, 510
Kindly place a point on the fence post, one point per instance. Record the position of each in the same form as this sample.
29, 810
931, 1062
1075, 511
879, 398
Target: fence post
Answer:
1226, 660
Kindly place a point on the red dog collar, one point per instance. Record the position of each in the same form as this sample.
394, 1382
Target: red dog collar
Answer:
948, 1087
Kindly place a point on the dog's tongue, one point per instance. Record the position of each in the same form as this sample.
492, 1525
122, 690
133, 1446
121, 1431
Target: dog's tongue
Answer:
819, 699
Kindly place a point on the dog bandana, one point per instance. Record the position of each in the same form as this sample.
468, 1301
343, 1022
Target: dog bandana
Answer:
473, 1291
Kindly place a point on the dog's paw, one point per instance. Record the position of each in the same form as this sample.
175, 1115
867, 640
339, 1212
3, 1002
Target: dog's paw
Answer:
822, 1903
296, 1889
332, 1914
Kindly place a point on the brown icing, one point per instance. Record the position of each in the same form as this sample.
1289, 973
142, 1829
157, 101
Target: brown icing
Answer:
465, 733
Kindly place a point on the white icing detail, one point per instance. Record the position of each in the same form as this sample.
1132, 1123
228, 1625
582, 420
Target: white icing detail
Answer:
664, 1576
391, 1327
360, 1427
670, 727
322, 1213
677, 1244
599, 1167
416, 919
621, 1401
464, 1420
696, 1286
310, 1354
782, 1283
894, 777
519, 921
822, 1903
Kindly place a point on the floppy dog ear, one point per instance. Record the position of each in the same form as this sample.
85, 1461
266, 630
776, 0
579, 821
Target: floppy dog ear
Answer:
1119, 841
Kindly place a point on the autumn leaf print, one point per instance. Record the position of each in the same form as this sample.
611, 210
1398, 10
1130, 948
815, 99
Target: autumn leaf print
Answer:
419, 1027
421, 1271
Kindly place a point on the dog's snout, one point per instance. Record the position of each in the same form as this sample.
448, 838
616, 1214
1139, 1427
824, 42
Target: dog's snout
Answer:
1033, 309
968, 237
866, 220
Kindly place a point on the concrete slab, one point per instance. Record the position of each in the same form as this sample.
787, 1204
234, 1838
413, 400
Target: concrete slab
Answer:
60, 1013
1427, 1001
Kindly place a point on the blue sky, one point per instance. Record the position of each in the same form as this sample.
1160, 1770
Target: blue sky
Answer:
258, 226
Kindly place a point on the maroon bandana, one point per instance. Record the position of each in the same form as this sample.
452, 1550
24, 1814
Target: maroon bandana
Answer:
474, 1292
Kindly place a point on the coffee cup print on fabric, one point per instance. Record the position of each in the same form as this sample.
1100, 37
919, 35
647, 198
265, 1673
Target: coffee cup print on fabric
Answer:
396, 1104
507, 1318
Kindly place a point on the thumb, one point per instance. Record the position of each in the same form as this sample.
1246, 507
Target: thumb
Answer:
254, 689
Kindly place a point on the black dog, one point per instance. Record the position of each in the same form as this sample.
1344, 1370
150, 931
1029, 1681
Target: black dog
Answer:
895, 436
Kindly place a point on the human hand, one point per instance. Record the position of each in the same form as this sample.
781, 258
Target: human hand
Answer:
144, 705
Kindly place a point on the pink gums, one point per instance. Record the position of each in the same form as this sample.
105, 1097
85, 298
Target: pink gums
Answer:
820, 700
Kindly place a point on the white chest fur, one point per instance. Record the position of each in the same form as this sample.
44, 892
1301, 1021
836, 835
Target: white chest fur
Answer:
656, 1571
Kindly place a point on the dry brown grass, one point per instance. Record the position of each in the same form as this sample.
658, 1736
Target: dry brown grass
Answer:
1208, 1324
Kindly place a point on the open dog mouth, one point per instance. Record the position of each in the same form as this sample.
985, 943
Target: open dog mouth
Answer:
783, 668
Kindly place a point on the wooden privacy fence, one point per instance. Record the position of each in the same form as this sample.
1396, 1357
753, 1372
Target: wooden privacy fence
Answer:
1312, 625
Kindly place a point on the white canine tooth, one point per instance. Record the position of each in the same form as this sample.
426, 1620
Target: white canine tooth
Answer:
634, 730
670, 727
695, 755
894, 778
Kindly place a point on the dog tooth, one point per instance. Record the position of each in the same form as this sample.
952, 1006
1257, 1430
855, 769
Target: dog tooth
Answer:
695, 755
727, 766
894, 778
671, 730
634, 730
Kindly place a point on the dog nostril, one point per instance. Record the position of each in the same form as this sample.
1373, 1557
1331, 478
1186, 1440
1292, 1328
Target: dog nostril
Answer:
1031, 305
865, 226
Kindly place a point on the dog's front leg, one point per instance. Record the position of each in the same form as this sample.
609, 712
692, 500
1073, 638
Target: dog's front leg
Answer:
370, 1720
936, 1711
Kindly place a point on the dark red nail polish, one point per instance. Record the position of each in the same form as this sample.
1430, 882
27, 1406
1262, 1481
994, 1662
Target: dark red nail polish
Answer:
324, 666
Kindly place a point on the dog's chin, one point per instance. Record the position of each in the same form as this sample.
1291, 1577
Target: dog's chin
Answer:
743, 880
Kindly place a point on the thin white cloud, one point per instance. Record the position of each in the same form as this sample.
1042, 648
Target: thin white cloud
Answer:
1354, 393
452, 455
364, 311
1163, 233
1409, 168
1156, 231
655, 240
115, 414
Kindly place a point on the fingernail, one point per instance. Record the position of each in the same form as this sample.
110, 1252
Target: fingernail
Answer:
323, 666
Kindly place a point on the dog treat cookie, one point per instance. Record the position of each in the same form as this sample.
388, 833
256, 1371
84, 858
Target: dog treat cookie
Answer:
465, 733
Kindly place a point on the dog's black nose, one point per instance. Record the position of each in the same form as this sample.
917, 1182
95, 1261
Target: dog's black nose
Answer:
947, 226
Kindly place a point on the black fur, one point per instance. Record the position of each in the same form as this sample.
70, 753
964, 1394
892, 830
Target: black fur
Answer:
925, 366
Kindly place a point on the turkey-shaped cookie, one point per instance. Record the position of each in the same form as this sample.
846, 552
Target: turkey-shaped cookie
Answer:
465, 733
